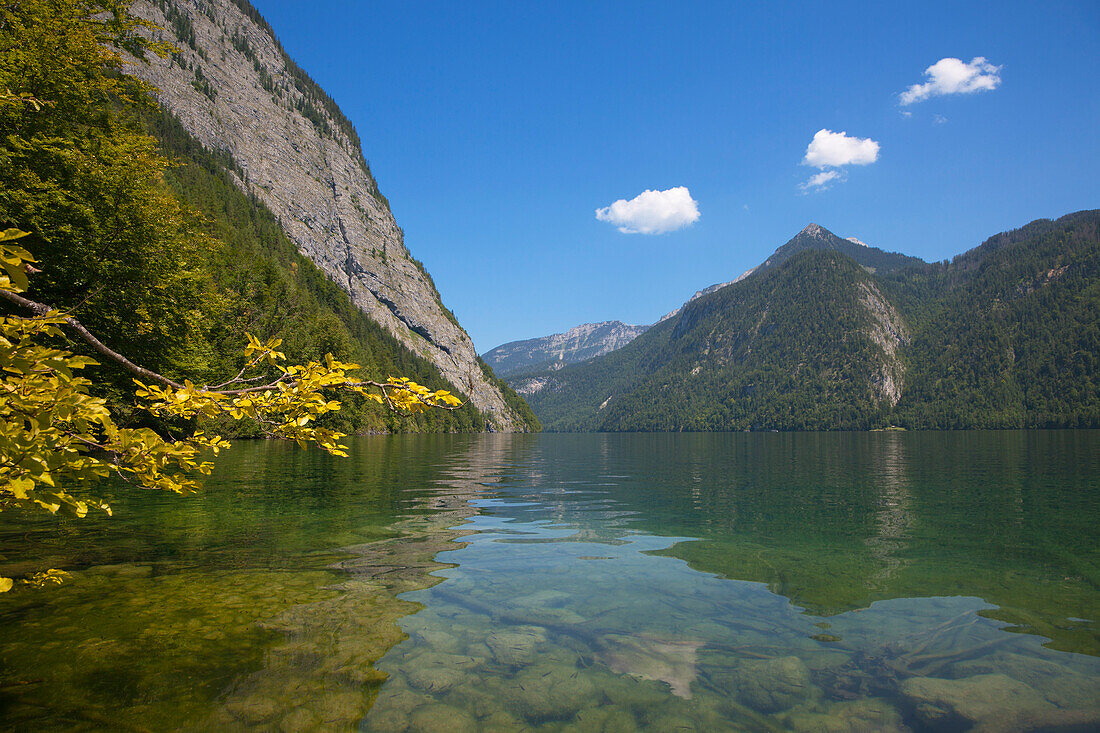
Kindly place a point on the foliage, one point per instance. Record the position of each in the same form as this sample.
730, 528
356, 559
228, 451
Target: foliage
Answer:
121, 247
1013, 339
116, 247
54, 435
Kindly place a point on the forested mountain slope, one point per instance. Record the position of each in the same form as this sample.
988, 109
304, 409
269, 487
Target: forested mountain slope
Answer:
596, 339
287, 145
1006, 335
1012, 338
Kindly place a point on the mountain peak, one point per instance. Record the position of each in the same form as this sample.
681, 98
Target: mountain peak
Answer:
815, 230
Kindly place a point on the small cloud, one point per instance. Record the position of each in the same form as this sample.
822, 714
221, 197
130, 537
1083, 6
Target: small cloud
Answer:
953, 76
820, 181
652, 212
831, 149
745, 207
939, 119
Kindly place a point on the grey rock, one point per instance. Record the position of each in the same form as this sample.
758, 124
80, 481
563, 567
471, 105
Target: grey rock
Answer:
312, 175
992, 701
578, 344
772, 685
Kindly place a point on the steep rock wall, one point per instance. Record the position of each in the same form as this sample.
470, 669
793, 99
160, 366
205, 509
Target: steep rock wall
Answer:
236, 91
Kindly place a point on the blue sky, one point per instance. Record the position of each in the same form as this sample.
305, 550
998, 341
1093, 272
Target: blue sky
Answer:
497, 131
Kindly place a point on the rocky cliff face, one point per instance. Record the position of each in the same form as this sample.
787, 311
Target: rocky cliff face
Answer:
236, 91
578, 344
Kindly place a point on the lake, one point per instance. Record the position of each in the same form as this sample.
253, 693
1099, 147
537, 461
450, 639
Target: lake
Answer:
761, 582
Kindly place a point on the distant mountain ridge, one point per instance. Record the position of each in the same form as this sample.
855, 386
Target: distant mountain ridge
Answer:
578, 344
590, 340
831, 334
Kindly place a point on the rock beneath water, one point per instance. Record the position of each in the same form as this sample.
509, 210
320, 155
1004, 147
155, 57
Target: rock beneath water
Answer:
673, 661
443, 641
434, 673
434, 679
560, 616
547, 692
604, 719
666, 723
991, 700
439, 717
773, 685
341, 708
1061, 685
386, 721
502, 722
634, 692
300, 719
253, 710
857, 716
515, 646
548, 598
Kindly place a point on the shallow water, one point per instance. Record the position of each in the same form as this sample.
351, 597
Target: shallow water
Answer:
882, 581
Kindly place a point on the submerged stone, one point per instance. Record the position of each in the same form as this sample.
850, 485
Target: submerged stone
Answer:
988, 699
547, 692
502, 722
856, 716
672, 661
434, 679
438, 717
1059, 684
515, 646
772, 685
602, 718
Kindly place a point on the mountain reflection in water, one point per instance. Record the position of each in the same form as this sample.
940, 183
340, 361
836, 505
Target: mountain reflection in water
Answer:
862, 581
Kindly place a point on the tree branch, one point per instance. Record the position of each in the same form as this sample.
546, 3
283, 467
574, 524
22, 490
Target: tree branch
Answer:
40, 309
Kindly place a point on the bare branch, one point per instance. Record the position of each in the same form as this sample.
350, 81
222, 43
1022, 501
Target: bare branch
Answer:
40, 309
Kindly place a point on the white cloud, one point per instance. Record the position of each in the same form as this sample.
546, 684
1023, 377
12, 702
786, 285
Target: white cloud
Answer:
831, 149
939, 119
953, 76
820, 181
652, 212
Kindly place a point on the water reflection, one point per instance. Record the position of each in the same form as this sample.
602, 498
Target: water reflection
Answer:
850, 582
262, 602
590, 582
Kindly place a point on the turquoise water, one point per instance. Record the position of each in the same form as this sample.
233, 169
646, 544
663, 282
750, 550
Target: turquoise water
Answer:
862, 581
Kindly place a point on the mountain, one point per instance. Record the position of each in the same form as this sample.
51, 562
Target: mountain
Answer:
816, 237
578, 344
284, 143
707, 291
830, 334
1008, 334
595, 339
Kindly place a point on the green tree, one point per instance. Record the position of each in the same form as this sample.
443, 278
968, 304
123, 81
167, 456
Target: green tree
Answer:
118, 260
